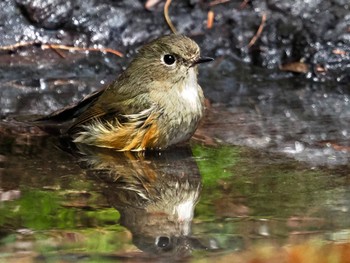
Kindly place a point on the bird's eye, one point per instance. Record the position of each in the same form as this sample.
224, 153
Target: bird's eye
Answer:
169, 59
162, 241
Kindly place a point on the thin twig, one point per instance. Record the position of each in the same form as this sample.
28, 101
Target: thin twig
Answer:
167, 18
259, 31
19, 45
217, 2
243, 4
58, 52
338, 51
57, 47
151, 3
72, 48
210, 20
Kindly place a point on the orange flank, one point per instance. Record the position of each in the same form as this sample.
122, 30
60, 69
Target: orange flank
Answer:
129, 136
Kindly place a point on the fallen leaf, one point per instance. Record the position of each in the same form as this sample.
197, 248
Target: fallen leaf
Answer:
298, 67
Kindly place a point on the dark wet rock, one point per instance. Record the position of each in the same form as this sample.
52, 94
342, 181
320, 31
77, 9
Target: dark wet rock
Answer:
36, 81
49, 14
309, 121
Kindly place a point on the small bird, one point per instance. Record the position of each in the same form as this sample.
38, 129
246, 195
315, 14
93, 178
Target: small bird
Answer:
156, 102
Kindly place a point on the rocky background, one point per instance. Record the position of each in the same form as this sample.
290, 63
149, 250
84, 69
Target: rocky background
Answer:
313, 33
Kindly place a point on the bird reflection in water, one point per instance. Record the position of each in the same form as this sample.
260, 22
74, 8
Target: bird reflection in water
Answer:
155, 193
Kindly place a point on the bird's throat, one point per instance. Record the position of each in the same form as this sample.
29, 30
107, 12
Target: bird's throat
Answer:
189, 89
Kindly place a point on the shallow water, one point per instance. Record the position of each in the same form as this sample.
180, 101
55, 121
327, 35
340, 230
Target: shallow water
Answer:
269, 168
63, 203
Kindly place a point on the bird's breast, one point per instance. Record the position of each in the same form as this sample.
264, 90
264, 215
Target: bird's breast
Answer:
183, 110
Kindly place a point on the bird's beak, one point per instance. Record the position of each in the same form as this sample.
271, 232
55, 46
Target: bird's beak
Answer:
201, 60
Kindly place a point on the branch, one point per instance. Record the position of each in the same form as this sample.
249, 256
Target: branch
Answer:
167, 18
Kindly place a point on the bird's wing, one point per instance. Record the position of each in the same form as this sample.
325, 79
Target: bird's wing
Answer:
111, 106
93, 112
72, 111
